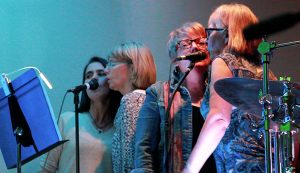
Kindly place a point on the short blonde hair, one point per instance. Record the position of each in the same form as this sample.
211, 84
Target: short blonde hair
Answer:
141, 60
236, 17
189, 28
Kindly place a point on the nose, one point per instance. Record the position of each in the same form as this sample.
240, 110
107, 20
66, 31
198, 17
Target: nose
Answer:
102, 80
206, 41
106, 70
95, 76
195, 47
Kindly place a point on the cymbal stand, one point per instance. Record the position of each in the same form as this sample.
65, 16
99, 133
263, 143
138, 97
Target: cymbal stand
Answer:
264, 49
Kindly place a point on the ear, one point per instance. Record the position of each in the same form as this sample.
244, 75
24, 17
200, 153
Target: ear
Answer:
226, 37
132, 73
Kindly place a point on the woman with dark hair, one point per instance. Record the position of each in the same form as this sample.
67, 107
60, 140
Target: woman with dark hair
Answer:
97, 111
113, 97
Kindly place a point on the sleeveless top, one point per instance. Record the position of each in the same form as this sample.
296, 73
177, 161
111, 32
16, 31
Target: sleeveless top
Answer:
242, 147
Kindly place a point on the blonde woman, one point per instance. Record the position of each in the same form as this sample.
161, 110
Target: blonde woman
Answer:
130, 71
228, 131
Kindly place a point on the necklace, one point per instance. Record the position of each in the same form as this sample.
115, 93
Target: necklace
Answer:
94, 122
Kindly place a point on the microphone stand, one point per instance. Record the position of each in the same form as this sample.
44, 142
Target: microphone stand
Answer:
93, 84
76, 103
171, 96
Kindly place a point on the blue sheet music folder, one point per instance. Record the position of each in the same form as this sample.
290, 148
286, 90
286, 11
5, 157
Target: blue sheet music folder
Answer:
39, 115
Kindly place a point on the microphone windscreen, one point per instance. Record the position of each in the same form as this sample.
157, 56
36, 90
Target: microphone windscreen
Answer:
194, 57
93, 84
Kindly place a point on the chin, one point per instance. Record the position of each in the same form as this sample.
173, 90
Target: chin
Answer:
112, 88
203, 63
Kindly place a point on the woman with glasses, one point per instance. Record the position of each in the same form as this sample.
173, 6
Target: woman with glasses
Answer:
97, 111
161, 148
230, 133
130, 70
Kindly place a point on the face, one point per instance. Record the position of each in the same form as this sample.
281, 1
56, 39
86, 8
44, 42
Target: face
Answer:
96, 70
217, 38
190, 44
118, 75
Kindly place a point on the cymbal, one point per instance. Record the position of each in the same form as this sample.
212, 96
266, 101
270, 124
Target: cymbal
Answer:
244, 93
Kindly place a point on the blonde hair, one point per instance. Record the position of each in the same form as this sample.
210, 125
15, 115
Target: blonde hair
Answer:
189, 28
236, 17
142, 63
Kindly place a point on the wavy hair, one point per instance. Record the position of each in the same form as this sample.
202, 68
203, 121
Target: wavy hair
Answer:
141, 60
187, 29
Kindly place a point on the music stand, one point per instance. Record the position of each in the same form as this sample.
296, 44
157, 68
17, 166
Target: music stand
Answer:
27, 119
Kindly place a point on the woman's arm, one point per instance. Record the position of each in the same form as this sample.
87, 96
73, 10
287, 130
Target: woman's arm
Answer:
215, 125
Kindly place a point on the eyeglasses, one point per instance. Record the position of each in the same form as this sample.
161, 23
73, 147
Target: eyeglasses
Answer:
186, 44
210, 30
111, 64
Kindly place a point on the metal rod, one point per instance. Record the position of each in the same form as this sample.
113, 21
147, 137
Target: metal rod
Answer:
19, 156
264, 50
76, 102
265, 114
276, 152
292, 43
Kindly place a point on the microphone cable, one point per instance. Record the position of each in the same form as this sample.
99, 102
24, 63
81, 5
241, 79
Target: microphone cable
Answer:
57, 122
61, 106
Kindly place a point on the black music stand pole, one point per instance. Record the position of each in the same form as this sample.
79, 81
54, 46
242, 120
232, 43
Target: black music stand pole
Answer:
18, 133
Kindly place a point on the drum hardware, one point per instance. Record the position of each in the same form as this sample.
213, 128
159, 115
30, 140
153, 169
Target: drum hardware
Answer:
286, 149
265, 49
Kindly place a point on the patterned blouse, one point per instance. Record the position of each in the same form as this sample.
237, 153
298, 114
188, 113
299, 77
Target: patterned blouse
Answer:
125, 124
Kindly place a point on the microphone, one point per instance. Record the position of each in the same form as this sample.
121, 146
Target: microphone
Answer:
271, 26
92, 85
194, 57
